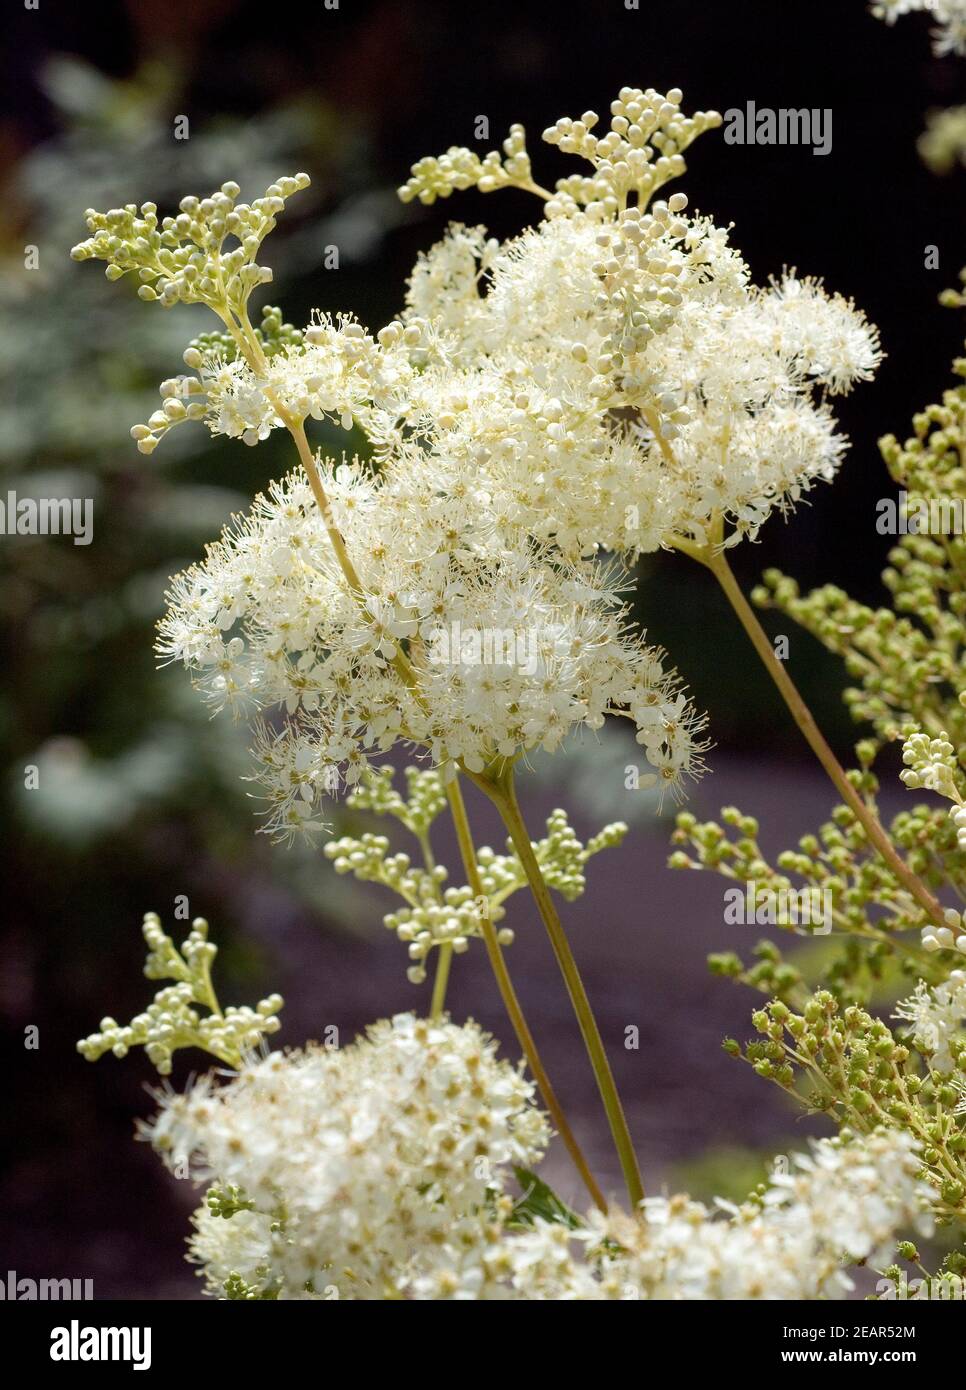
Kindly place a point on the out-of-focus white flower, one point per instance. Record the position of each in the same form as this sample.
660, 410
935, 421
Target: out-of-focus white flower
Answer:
950, 34
937, 1014
378, 1166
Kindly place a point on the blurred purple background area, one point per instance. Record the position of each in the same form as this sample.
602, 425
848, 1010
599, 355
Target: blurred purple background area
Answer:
87, 1202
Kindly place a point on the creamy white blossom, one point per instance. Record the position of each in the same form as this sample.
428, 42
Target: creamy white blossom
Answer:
609, 380
937, 1015
613, 370
378, 1164
506, 649
610, 377
949, 36
840, 1204
377, 1191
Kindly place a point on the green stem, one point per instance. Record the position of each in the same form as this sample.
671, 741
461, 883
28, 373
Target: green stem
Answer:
409, 676
714, 559
508, 994
445, 957
443, 962
501, 791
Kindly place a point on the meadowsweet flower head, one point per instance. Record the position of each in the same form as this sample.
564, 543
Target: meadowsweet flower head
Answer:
840, 1204
507, 649
937, 1016
612, 373
622, 387
368, 1168
608, 378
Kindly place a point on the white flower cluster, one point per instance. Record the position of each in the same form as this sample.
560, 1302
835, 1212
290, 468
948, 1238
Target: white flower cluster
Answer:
374, 1171
950, 16
931, 764
269, 620
937, 1015
381, 1171
608, 378
839, 1205
621, 383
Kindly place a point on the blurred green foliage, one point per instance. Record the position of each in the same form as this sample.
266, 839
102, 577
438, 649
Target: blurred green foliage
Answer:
139, 796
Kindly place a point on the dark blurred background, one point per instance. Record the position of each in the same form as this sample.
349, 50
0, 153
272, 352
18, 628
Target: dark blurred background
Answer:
140, 795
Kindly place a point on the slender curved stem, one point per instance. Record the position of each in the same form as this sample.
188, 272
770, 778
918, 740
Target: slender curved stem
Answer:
468, 854
297, 431
714, 559
443, 961
408, 674
444, 957
508, 995
501, 791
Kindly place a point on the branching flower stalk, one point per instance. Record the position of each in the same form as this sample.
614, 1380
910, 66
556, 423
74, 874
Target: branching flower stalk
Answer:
494, 953
712, 556
509, 997
498, 785
610, 382
256, 359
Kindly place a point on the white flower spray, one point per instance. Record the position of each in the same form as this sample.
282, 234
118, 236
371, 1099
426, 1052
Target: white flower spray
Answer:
609, 380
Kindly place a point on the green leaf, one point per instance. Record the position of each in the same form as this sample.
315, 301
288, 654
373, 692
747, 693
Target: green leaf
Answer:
538, 1199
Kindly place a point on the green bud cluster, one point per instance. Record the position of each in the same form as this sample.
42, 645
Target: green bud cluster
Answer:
434, 914
770, 973
184, 258
272, 335
425, 797
225, 1201
173, 1020
872, 915
562, 857
238, 1289
843, 1061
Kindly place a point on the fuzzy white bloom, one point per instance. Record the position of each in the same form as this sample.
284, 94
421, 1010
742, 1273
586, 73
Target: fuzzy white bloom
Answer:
510, 648
942, 145
937, 1015
608, 378
612, 375
621, 383
240, 1246
950, 34
378, 1165
841, 1204
366, 1198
